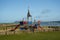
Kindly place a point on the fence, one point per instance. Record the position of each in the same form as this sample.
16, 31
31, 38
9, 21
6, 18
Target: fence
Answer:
5, 29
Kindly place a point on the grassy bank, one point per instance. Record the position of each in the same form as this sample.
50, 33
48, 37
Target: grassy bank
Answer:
33, 36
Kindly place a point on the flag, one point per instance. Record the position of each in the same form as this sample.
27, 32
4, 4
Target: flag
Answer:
28, 14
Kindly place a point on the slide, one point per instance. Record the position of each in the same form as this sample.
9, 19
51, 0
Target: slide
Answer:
15, 27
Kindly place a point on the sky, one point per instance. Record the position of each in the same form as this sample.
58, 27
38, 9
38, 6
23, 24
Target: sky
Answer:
15, 10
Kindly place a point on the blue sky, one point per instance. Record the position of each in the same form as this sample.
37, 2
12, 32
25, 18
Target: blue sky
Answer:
44, 10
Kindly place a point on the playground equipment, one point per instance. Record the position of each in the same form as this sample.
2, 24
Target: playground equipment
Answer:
28, 24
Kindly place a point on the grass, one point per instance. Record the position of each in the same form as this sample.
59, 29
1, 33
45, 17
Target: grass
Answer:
32, 36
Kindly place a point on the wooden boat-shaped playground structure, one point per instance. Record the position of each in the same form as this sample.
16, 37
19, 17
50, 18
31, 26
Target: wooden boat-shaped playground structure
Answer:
25, 25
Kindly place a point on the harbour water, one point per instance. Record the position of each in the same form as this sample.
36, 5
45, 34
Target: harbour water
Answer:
41, 23
50, 24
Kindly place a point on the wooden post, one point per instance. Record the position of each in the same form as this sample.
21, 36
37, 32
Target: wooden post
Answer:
6, 31
14, 31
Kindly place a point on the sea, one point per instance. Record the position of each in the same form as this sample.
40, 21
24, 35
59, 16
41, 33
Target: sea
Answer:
43, 23
50, 24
